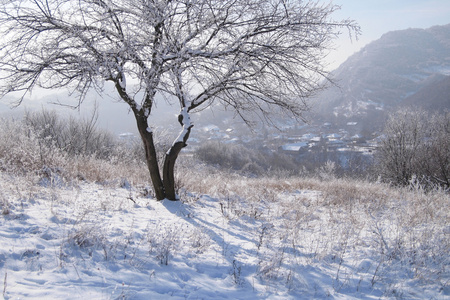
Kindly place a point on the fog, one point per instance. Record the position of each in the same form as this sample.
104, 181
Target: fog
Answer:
377, 17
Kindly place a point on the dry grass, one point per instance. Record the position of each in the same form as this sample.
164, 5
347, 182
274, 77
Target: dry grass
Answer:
322, 221
405, 229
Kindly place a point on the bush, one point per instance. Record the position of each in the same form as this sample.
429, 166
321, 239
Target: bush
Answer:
22, 151
43, 144
75, 137
248, 161
416, 149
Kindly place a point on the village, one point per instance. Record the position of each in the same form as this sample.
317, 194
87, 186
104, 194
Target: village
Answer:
307, 144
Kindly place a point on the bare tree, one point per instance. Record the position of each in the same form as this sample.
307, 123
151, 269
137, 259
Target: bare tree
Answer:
416, 147
254, 56
73, 136
435, 164
399, 151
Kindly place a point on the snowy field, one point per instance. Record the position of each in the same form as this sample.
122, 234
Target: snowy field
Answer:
238, 239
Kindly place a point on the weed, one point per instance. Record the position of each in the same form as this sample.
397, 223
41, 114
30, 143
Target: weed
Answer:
236, 273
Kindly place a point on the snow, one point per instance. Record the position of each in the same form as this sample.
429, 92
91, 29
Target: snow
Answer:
126, 135
123, 82
334, 136
186, 125
443, 69
92, 241
121, 77
294, 146
210, 128
309, 136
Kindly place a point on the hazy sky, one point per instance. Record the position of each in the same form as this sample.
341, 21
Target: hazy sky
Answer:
377, 17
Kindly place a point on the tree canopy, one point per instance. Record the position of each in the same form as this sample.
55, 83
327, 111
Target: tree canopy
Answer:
253, 56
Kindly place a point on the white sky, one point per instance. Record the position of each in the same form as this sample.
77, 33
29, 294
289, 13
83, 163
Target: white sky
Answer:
377, 17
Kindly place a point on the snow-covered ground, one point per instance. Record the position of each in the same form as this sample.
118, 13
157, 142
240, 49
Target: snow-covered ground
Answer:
92, 241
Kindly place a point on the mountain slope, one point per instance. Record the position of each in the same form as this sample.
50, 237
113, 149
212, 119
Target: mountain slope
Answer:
273, 240
434, 96
386, 72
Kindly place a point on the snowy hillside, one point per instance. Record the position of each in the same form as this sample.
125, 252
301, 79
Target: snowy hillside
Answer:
235, 238
79, 221
385, 73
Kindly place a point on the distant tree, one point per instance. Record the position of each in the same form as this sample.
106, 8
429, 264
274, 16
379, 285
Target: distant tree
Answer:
416, 147
436, 160
253, 56
74, 136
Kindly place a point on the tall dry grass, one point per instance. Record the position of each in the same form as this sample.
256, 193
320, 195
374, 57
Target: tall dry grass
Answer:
379, 234
24, 151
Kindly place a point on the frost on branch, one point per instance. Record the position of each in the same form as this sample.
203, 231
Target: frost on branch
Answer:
257, 57
122, 81
185, 120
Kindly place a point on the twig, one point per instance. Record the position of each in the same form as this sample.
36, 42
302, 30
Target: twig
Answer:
5, 282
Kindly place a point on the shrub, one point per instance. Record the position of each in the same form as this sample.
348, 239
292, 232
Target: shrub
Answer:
72, 149
74, 136
416, 148
254, 162
21, 149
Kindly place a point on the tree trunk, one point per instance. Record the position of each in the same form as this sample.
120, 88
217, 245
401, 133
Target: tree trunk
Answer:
150, 156
164, 188
172, 155
146, 137
168, 170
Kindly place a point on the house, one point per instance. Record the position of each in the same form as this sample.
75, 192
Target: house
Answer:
333, 137
295, 148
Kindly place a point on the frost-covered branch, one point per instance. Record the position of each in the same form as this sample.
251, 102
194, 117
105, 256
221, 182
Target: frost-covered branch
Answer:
254, 56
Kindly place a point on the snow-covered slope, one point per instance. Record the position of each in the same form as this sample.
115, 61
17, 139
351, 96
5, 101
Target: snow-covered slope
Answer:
91, 241
380, 76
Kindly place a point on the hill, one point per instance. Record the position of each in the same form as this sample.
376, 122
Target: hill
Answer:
407, 67
289, 239
433, 96
86, 226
